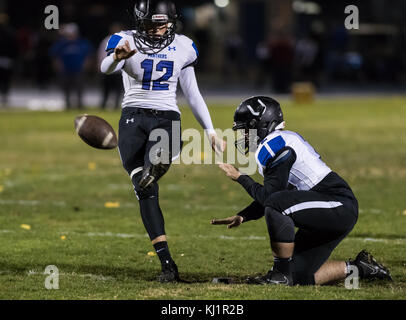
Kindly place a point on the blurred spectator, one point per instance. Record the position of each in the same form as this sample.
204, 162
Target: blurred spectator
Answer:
337, 46
202, 39
233, 54
112, 84
42, 61
8, 54
282, 55
306, 64
263, 58
71, 54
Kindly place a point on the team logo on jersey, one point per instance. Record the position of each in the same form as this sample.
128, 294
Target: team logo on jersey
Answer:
171, 48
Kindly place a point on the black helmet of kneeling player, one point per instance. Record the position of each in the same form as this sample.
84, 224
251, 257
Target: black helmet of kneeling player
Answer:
149, 16
256, 117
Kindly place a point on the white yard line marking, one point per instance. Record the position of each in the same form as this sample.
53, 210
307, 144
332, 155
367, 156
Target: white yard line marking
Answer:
33, 202
215, 237
115, 235
56, 203
370, 210
6, 231
223, 237
86, 275
384, 240
122, 186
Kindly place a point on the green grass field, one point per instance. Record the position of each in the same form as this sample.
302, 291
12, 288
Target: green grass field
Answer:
58, 186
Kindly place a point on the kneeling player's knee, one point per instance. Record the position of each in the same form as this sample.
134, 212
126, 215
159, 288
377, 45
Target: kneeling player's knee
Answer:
280, 227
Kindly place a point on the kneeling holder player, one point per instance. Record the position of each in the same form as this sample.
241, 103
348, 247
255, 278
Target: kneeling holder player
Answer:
301, 191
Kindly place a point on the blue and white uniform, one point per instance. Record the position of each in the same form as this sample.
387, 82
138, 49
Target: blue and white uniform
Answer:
322, 205
149, 128
308, 169
150, 80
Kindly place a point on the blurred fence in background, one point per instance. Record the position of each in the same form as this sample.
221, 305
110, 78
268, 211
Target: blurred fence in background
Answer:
259, 45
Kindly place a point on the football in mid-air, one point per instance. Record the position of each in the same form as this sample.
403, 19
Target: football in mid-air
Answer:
96, 132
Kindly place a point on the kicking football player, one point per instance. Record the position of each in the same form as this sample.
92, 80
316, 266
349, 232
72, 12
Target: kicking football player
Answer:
153, 58
301, 191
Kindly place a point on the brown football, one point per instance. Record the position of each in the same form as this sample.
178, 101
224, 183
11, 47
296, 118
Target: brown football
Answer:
95, 131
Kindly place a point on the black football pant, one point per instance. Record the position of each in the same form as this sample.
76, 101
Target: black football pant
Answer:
138, 129
323, 215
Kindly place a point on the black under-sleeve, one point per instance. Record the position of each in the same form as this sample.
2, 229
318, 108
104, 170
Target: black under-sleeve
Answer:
276, 175
254, 211
254, 189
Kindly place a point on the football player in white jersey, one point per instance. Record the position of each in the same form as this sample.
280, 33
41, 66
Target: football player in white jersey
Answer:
301, 191
153, 59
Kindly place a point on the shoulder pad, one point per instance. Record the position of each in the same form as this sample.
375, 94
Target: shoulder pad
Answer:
113, 41
263, 155
276, 144
269, 148
116, 38
283, 155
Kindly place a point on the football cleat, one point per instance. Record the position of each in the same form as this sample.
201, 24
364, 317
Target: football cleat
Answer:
169, 273
153, 172
273, 277
369, 267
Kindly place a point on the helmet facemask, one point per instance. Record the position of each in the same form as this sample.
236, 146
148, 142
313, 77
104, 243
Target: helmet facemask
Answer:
146, 40
248, 141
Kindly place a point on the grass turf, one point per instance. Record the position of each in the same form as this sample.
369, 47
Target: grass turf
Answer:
53, 182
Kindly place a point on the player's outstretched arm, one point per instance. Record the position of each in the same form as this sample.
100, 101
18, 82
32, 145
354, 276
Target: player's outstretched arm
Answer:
230, 171
254, 211
199, 108
254, 189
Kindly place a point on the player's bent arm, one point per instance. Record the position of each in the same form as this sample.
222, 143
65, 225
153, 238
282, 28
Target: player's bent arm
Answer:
254, 211
196, 102
276, 175
109, 65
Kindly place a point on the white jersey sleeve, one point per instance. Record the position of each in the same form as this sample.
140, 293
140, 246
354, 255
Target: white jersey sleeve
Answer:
108, 64
117, 39
308, 169
191, 52
196, 102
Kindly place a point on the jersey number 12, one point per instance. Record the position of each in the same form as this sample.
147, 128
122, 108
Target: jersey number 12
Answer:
148, 66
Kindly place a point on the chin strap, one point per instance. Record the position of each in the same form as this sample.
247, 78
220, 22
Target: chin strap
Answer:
273, 126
